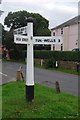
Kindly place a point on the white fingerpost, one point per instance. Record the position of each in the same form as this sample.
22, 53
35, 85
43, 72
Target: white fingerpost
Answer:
30, 62
52, 47
31, 40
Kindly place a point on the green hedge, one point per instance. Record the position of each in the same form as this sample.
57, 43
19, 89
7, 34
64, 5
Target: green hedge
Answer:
57, 55
47, 54
49, 63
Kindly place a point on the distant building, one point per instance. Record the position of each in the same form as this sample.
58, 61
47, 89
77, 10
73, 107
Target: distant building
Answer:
69, 32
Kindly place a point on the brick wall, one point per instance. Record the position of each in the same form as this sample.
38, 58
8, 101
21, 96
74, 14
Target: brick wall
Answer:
68, 65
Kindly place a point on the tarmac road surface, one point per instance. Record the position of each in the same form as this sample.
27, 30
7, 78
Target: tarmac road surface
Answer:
68, 82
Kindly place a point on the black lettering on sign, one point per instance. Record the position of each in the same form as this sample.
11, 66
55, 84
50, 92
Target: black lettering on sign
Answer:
38, 40
58, 40
19, 30
46, 40
22, 29
51, 40
24, 39
18, 39
54, 40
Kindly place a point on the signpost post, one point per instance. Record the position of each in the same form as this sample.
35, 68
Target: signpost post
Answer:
30, 40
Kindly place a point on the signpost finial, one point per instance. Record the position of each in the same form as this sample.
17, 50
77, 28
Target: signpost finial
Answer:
30, 19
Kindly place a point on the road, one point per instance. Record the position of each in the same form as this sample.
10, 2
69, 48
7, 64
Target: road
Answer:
68, 82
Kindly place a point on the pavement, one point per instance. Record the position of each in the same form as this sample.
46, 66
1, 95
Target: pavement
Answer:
68, 82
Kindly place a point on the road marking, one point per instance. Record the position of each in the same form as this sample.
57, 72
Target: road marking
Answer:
3, 74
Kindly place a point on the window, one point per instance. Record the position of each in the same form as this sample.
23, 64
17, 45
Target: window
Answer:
53, 33
61, 31
76, 43
53, 47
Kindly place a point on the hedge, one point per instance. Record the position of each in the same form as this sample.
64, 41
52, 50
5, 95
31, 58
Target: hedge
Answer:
58, 55
55, 55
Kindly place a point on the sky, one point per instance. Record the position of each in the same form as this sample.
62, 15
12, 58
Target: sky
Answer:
56, 11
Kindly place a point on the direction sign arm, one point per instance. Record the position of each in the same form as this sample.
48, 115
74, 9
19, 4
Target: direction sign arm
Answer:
47, 40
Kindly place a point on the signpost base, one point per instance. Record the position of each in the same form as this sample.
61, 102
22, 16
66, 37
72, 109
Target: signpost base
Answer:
29, 93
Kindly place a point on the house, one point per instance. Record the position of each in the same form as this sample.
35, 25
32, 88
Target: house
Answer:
69, 31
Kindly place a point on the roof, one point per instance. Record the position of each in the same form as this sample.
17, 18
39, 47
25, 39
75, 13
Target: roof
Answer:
68, 23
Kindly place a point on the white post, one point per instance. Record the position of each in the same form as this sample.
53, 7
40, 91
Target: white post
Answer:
51, 44
30, 63
52, 47
41, 62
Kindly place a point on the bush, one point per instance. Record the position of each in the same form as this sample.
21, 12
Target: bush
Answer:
51, 63
57, 55
47, 54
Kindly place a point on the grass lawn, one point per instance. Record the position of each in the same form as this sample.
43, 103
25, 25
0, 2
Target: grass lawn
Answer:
66, 71
47, 103
0, 102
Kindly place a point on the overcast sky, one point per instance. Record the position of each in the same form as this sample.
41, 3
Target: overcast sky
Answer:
56, 11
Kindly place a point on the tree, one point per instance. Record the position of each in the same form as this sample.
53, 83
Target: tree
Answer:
18, 19
8, 39
15, 50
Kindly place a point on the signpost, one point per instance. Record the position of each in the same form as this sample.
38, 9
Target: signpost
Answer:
22, 30
21, 39
47, 40
30, 40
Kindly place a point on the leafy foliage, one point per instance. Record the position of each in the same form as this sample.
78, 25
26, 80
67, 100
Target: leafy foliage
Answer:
57, 55
19, 19
8, 39
51, 63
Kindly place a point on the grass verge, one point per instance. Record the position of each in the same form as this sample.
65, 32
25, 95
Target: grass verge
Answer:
0, 102
47, 103
61, 70
66, 71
